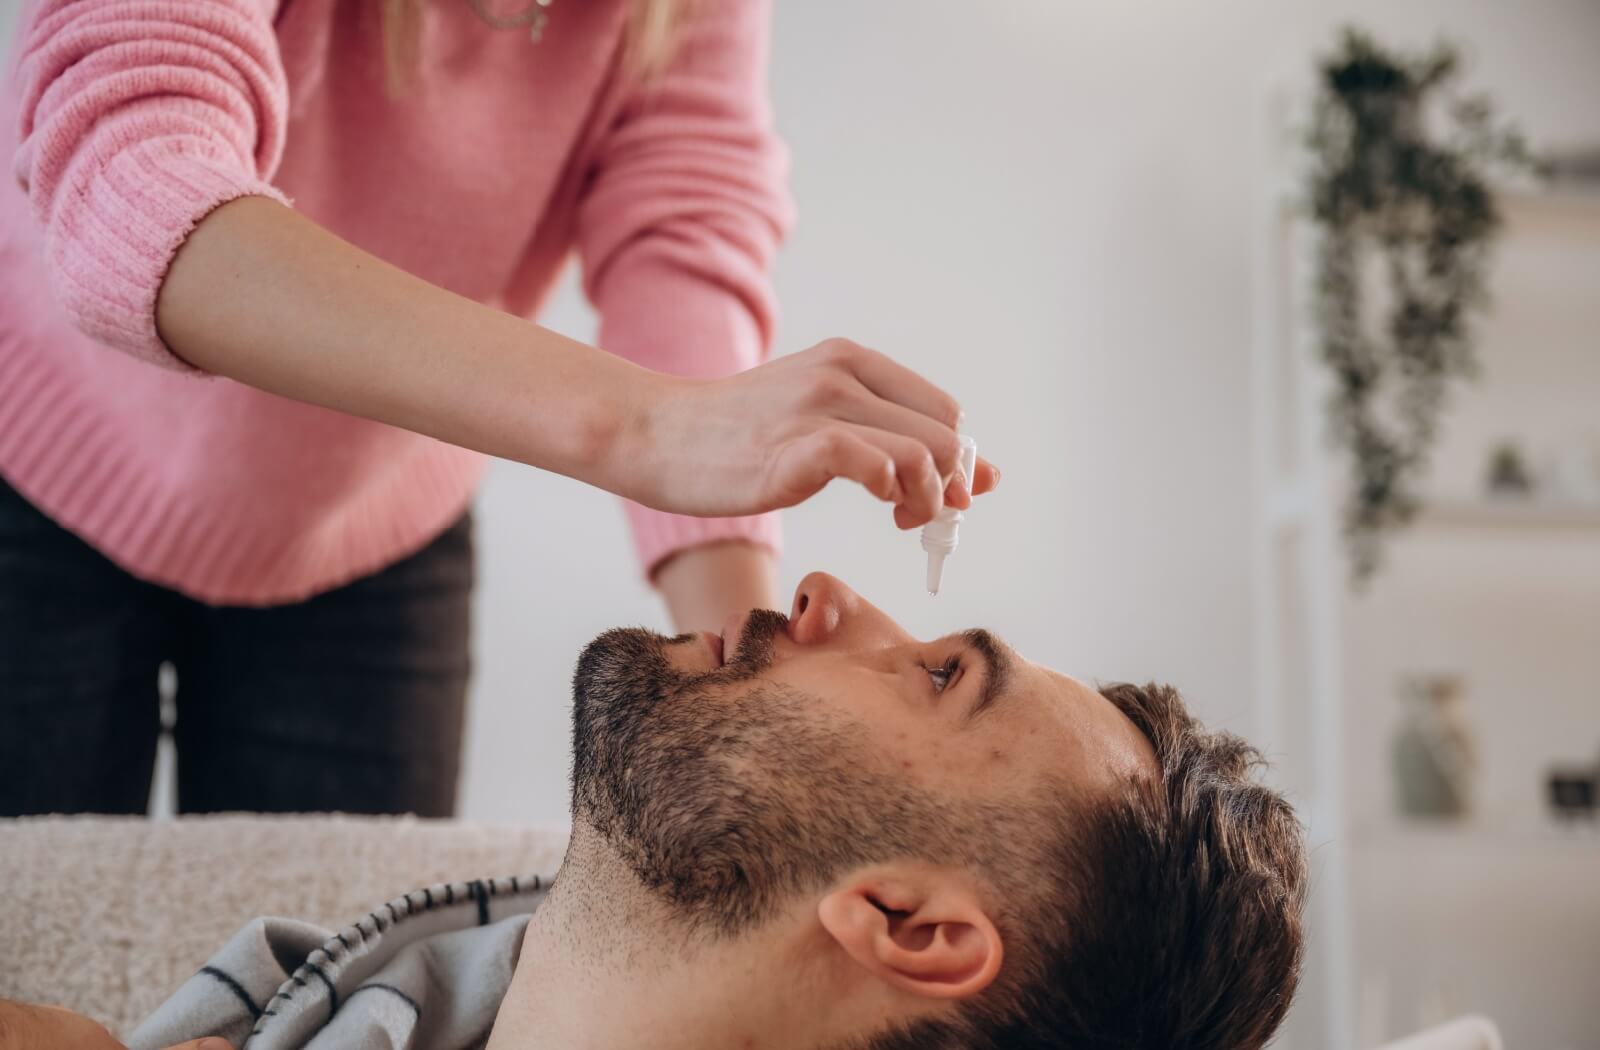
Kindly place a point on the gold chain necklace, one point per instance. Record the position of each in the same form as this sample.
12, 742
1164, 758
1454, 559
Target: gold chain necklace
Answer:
533, 17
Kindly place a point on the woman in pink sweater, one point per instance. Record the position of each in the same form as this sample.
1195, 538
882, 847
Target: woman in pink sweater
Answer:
267, 270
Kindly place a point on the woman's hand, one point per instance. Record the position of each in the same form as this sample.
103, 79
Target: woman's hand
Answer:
775, 435
263, 295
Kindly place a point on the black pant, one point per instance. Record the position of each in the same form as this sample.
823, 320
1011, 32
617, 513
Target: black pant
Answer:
352, 700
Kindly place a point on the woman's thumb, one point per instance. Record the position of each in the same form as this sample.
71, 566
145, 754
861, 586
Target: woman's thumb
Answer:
210, 1042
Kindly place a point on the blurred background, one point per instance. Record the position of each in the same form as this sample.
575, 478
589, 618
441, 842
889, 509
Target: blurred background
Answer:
1079, 218
1084, 220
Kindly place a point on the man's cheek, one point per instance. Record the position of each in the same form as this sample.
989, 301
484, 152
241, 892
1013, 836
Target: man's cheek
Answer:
941, 760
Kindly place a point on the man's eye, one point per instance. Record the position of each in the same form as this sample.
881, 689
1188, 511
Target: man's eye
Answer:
942, 675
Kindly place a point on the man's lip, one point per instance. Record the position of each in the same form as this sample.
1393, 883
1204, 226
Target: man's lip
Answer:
732, 631
715, 642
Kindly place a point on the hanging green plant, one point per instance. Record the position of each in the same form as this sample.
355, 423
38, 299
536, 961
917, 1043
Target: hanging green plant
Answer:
1384, 184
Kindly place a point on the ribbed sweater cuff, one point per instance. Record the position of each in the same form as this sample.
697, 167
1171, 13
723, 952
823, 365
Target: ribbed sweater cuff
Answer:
657, 314
114, 242
658, 535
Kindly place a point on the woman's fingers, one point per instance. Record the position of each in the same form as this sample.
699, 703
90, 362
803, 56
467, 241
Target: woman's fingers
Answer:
988, 476
956, 493
804, 466
864, 387
959, 492
920, 488
893, 467
897, 384
843, 411
942, 442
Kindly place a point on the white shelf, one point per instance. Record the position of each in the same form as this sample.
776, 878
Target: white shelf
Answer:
1393, 895
1561, 196
1510, 514
1581, 837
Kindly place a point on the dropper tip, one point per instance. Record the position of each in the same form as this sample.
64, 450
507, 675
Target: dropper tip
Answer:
935, 573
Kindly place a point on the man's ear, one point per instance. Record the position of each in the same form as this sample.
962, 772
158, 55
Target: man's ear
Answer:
921, 929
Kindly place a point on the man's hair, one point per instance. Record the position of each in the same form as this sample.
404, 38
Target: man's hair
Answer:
1169, 915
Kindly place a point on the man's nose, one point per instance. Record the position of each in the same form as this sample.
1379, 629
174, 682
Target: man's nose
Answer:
822, 604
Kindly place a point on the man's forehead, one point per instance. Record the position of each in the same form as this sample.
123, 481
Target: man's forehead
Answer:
1097, 729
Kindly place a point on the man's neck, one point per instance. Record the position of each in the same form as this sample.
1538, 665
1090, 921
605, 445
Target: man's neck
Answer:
604, 967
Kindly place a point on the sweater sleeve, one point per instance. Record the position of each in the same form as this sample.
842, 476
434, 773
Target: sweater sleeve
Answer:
685, 208
139, 117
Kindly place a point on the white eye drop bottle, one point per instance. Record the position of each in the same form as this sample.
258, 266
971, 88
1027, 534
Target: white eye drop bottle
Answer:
939, 536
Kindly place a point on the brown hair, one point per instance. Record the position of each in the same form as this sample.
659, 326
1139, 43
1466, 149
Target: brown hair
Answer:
1168, 916
652, 31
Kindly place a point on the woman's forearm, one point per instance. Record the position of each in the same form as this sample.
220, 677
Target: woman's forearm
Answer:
263, 295
705, 585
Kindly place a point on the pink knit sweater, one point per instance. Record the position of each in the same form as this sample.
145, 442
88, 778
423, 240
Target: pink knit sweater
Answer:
127, 121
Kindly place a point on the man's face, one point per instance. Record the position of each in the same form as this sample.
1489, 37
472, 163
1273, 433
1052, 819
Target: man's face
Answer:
731, 771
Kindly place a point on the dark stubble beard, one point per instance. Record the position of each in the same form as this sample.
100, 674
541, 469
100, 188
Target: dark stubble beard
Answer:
726, 795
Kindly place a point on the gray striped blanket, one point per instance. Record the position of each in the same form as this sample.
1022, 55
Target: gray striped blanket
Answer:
425, 970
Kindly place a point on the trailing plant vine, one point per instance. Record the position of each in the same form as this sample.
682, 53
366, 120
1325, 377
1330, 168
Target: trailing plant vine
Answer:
1384, 185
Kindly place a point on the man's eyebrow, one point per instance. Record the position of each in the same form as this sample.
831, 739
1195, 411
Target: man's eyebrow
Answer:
996, 667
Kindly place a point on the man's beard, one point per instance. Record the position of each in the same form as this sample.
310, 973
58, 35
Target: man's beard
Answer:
726, 796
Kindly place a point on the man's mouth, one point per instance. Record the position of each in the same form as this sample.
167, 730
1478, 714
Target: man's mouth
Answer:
717, 646
745, 641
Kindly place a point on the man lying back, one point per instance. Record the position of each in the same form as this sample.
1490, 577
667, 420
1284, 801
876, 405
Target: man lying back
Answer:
819, 832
